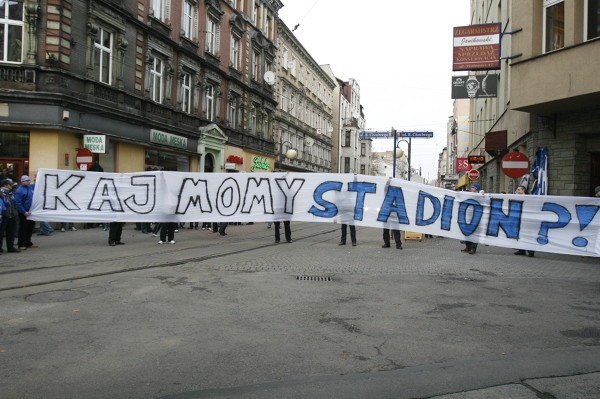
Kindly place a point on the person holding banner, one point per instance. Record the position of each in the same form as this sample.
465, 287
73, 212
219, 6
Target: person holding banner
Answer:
167, 232
386, 238
288, 231
115, 229
471, 247
352, 234
522, 190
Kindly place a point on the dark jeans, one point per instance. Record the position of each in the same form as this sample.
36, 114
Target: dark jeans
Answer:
395, 233
8, 229
352, 233
167, 231
222, 227
287, 229
115, 229
25, 231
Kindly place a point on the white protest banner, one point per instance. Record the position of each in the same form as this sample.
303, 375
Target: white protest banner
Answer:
567, 225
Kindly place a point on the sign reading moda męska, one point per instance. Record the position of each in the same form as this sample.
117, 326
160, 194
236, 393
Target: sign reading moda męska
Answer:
568, 225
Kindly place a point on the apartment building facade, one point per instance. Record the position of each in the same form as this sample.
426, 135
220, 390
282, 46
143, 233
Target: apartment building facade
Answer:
163, 84
304, 116
548, 94
556, 81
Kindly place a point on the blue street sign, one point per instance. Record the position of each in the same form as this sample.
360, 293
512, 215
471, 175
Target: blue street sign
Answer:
367, 134
416, 135
375, 135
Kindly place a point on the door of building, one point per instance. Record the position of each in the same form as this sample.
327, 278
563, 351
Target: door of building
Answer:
16, 167
594, 171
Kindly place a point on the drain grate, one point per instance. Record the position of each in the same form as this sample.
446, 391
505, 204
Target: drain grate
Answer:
313, 278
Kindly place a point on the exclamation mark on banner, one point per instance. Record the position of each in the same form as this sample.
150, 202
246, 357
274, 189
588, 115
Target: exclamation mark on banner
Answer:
585, 214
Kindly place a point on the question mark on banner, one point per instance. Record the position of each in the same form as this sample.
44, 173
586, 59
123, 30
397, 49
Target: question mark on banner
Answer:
564, 217
585, 214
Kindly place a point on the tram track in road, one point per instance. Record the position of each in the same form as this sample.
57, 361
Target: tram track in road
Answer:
178, 262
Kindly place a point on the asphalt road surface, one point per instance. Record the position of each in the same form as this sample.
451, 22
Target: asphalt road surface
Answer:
239, 316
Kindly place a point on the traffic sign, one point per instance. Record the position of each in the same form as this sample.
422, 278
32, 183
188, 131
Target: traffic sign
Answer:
473, 174
84, 159
374, 134
416, 135
515, 164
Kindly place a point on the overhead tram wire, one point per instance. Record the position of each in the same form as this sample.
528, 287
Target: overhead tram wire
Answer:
302, 19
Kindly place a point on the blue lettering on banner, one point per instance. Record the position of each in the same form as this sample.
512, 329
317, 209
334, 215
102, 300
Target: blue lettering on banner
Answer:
393, 202
362, 189
329, 210
509, 223
469, 227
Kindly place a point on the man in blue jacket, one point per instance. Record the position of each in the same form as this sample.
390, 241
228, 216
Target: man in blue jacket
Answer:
23, 198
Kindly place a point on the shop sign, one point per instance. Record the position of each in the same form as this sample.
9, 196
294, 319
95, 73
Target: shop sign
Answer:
96, 143
476, 159
158, 137
229, 166
476, 47
259, 163
462, 165
235, 159
474, 86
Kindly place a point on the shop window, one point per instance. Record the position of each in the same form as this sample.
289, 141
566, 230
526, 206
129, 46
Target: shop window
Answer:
166, 161
186, 92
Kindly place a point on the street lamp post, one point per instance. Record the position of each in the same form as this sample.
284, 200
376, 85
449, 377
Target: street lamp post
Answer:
289, 154
396, 144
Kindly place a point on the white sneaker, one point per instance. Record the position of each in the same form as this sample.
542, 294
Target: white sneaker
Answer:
176, 231
154, 235
172, 242
73, 229
161, 242
62, 229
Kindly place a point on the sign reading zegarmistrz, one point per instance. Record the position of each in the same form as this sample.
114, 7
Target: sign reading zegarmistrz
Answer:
476, 47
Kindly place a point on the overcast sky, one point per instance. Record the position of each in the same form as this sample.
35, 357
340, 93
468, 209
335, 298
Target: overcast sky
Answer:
400, 53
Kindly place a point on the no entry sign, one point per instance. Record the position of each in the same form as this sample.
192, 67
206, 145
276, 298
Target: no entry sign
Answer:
515, 164
473, 174
84, 159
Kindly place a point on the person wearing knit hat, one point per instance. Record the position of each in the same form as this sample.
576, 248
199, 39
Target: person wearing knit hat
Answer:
476, 187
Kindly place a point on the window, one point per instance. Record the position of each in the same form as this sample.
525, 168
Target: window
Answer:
253, 119
255, 65
159, 9
554, 25
592, 19
284, 95
270, 26
156, 80
284, 59
347, 137
11, 31
256, 14
209, 102
232, 112
103, 55
363, 149
346, 164
292, 105
186, 92
235, 52
188, 19
211, 35
363, 169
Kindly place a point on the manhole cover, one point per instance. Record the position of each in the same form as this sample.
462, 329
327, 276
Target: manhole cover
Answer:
56, 296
